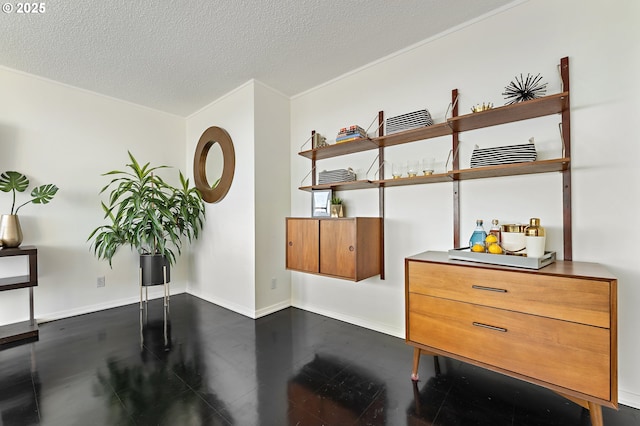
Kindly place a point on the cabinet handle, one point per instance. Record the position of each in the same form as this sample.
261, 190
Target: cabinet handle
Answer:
490, 327
351, 248
481, 287
290, 243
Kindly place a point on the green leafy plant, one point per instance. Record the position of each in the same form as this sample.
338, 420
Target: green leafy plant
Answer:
336, 200
147, 214
17, 182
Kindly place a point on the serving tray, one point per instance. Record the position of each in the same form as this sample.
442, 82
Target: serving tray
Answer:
504, 259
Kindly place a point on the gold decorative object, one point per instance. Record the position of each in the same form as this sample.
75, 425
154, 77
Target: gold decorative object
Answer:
10, 231
337, 210
483, 107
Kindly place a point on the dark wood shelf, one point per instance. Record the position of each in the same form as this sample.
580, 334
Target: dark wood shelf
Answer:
413, 135
533, 167
548, 105
18, 251
18, 331
27, 329
12, 283
416, 180
343, 186
339, 149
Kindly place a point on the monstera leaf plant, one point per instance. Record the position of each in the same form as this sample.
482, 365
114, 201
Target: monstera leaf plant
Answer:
147, 214
17, 182
12, 181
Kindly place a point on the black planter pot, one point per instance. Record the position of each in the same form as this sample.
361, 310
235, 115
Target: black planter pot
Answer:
152, 269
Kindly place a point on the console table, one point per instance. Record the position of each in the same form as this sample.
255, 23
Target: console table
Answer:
555, 327
25, 329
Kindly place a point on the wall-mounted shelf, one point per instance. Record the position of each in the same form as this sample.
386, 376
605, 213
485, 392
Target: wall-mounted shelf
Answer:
533, 167
339, 149
548, 105
558, 103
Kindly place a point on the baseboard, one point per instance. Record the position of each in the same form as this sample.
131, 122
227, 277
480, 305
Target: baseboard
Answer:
629, 399
242, 310
96, 308
361, 322
271, 309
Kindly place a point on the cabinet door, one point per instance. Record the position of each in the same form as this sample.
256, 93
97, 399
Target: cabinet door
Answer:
338, 247
303, 244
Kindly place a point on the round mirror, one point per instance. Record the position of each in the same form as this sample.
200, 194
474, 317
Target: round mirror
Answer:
214, 164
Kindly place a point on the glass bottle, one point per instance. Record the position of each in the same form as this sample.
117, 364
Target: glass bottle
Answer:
495, 229
477, 240
534, 238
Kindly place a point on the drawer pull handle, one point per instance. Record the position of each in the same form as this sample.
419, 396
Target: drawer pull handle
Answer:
351, 248
481, 287
490, 327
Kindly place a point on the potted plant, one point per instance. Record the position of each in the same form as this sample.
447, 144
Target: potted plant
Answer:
12, 181
150, 216
337, 208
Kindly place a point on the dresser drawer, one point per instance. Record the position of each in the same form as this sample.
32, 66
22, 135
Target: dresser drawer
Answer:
570, 355
579, 300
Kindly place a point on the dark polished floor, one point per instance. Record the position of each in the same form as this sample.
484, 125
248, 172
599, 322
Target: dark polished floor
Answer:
220, 368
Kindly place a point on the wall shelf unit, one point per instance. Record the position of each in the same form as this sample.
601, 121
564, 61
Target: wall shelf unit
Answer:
558, 103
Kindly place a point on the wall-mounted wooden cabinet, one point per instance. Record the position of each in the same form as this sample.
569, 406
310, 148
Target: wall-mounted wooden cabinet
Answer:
348, 248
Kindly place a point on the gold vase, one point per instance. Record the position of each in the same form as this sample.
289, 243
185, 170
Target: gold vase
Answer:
337, 210
10, 231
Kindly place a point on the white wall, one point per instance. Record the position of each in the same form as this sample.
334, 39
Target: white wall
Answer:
223, 269
58, 134
272, 198
602, 43
242, 249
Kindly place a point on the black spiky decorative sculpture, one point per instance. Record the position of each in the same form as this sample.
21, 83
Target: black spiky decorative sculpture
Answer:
524, 89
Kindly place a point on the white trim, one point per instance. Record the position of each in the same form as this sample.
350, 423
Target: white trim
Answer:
361, 322
96, 308
239, 309
87, 91
629, 398
413, 46
276, 91
271, 309
221, 98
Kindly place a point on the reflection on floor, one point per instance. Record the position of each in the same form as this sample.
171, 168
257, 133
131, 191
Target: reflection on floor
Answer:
220, 368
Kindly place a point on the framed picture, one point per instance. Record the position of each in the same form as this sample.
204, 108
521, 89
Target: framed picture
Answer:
321, 202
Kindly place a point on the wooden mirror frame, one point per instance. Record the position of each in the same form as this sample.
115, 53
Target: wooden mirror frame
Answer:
210, 137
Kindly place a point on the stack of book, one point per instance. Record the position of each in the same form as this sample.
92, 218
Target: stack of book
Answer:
351, 133
340, 175
408, 121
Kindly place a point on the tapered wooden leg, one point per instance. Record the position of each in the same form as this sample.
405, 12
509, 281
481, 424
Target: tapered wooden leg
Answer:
595, 411
416, 363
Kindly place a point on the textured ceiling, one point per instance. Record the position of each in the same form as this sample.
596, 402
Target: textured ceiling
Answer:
178, 56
